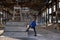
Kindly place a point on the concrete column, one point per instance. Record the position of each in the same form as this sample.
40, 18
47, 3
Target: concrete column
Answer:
6, 15
37, 19
48, 13
21, 14
52, 14
56, 12
1, 18
46, 18
13, 15
1, 21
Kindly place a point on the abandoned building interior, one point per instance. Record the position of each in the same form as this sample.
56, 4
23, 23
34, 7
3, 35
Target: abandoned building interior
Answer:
47, 13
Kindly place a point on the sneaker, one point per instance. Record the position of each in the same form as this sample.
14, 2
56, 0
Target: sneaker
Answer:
26, 30
35, 35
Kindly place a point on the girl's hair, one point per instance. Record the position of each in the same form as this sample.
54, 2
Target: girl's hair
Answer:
34, 17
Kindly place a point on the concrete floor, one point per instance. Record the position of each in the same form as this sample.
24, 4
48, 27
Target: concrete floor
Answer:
17, 32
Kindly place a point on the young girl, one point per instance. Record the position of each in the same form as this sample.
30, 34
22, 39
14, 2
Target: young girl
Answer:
32, 25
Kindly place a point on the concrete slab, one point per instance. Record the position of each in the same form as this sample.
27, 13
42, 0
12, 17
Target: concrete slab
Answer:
15, 28
10, 38
44, 35
16, 34
7, 38
15, 23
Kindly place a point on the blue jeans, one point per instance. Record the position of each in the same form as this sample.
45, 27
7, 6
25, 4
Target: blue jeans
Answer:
32, 28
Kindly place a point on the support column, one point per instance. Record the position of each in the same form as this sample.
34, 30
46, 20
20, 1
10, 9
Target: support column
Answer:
1, 17
46, 18
56, 12
6, 12
48, 11
13, 15
21, 14
52, 14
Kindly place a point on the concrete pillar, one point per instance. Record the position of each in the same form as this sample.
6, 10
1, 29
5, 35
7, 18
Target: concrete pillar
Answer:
13, 15
48, 13
46, 17
1, 17
52, 14
56, 12
21, 14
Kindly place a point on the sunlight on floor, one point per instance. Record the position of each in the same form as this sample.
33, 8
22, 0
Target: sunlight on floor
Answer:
1, 31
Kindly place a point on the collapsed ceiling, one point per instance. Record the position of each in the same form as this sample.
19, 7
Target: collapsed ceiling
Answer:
34, 4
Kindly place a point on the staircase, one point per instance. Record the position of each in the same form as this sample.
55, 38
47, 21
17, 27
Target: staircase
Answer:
15, 29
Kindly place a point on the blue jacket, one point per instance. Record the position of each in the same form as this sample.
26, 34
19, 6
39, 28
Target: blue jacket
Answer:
33, 24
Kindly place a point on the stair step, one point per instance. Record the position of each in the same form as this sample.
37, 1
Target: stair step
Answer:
15, 28
7, 38
16, 34
15, 23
